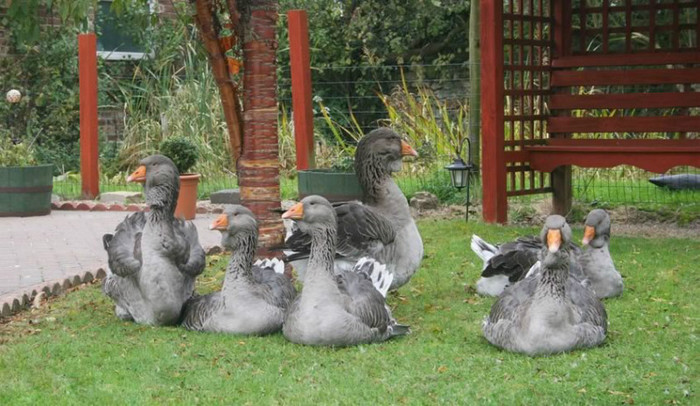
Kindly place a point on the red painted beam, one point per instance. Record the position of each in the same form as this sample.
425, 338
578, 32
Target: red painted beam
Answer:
301, 88
87, 67
495, 200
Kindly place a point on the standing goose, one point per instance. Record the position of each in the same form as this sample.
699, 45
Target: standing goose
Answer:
597, 264
336, 309
551, 311
153, 257
254, 297
382, 228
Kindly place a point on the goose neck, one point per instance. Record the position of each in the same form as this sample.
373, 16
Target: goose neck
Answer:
241, 262
323, 241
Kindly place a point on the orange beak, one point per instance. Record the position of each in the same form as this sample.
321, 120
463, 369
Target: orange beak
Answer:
553, 240
407, 150
588, 235
221, 223
139, 175
295, 212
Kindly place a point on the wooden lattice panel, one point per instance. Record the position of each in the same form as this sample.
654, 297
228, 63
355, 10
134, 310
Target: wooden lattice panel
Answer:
527, 43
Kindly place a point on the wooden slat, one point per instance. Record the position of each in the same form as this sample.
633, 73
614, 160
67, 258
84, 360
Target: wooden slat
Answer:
622, 124
601, 145
642, 58
624, 101
625, 77
652, 155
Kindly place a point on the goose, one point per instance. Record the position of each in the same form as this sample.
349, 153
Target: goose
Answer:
551, 311
597, 264
510, 262
254, 296
379, 227
153, 258
337, 309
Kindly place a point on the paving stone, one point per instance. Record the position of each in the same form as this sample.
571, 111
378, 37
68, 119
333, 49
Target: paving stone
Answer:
226, 196
41, 251
6, 310
84, 206
99, 207
122, 197
117, 207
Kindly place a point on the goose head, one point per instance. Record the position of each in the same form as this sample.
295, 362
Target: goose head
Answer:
312, 213
556, 235
161, 182
379, 153
597, 229
237, 224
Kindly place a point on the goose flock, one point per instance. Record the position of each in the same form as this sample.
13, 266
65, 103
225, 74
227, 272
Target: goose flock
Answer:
347, 257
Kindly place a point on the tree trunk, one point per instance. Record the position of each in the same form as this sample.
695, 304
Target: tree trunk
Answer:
208, 29
258, 166
474, 83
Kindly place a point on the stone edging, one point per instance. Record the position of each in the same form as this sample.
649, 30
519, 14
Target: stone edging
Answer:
96, 206
12, 303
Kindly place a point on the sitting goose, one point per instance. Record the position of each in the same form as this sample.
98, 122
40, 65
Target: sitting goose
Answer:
510, 262
153, 257
340, 309
596, 262
551, 311
254, 297
382, 228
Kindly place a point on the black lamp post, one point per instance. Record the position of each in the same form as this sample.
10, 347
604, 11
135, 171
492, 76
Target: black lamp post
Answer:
460, 171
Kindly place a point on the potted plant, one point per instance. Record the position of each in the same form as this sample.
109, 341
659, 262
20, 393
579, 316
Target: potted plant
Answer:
184, 155
25, 187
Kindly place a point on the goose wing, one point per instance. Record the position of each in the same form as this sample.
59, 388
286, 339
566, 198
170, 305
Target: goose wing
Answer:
361, 232
362, 299
588, 306
124, 246
277, 289
193, 260
514, 258
197, 310
512, 299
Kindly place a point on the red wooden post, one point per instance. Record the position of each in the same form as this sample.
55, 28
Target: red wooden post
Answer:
301, 88
495, 200
87, 65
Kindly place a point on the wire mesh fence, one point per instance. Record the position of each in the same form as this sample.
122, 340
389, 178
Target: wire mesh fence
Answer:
352, 97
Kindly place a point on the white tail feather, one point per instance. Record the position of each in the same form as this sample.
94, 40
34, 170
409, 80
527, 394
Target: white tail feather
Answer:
484, 250
380, 277
274, 263
534, 269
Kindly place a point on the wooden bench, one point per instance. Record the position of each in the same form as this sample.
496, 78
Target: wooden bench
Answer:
656, 155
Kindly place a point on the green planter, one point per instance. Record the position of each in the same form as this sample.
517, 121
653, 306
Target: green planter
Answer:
25, 190
334, 186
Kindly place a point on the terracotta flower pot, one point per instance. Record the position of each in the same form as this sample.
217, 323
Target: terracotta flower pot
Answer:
187, 200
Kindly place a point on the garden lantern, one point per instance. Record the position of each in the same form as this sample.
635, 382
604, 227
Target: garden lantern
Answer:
460, 171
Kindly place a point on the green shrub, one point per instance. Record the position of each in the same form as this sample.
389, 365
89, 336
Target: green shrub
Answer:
181, 150
11, 154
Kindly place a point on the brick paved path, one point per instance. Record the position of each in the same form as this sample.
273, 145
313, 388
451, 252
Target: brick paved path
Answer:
63, 244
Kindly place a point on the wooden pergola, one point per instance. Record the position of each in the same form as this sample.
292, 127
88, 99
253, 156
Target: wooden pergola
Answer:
591, 83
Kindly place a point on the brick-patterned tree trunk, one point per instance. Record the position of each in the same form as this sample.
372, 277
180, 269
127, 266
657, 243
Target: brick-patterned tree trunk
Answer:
258, 166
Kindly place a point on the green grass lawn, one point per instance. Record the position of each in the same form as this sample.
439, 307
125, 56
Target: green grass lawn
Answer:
74, 351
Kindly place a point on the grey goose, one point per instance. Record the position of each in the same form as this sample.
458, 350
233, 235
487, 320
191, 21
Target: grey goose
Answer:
153, 257
549, 312
254, 296
379, 227
336, 308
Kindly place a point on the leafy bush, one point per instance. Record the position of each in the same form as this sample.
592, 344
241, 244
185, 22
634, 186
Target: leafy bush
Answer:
181, 150
48, 116
15, 154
